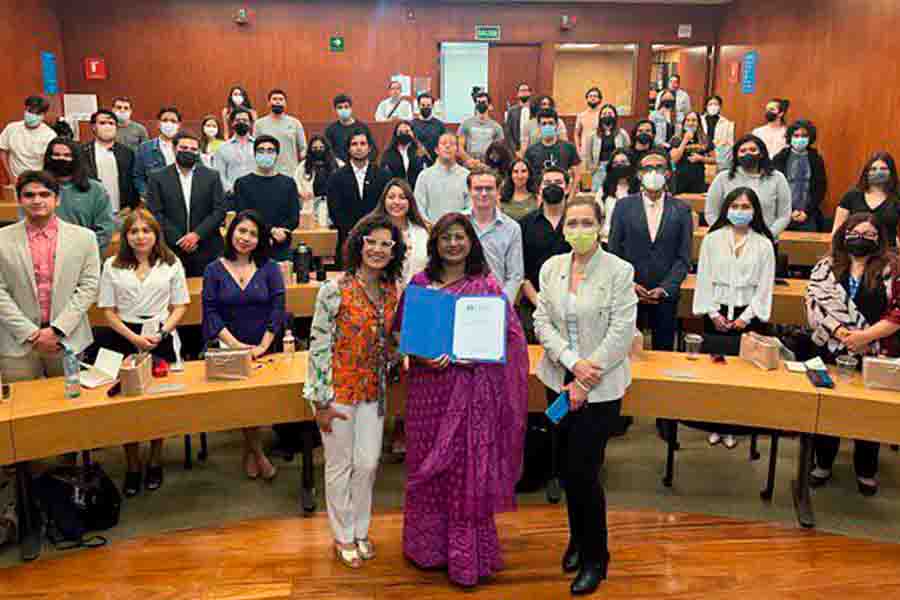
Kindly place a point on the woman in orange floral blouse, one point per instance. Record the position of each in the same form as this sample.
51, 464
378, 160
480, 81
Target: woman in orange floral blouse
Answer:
351, 351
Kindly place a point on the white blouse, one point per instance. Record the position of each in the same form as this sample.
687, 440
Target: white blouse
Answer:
724, 278
416, 239
136, 300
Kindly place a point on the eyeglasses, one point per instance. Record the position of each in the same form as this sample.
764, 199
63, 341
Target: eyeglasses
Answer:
655, 169
869, 235
380, 244
41, 195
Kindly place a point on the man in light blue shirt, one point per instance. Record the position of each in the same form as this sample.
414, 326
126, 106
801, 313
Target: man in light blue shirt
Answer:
500, 236
236, 158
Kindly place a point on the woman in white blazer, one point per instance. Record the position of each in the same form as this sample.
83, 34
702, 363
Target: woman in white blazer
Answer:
720, 130
585, 320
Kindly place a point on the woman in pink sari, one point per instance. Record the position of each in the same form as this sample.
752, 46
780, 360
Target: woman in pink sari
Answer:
465, 426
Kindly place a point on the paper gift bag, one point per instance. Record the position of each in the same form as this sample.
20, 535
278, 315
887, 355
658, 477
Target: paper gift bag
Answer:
762, 351
135, 374
228, 363
881, 373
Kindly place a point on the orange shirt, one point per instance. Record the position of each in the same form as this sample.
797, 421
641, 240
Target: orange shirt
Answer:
42, 244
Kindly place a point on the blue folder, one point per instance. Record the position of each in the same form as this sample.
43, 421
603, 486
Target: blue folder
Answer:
559, 409
428, 317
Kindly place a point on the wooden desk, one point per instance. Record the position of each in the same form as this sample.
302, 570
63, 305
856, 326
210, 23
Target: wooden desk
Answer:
47, 424
7, 450
788, 307
300, 300
9, 212
852, 410
736, 393
322, 241
803, 248
697, 202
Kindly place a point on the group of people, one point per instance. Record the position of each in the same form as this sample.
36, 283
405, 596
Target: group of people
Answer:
488, 210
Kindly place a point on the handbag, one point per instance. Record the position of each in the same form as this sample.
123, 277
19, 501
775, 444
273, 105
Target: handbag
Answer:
76, 500
762, 351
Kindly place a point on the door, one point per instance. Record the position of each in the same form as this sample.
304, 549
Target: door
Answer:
508, 66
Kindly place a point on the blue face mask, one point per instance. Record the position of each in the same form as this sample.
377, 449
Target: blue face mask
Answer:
799, 144
344, 113
548, 131
740, 217
265, 161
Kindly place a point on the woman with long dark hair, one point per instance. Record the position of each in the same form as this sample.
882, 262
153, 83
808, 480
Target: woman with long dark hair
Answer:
621, 180
691, 152
210, 139
774, 132
405, 157
237, 98
602, 142
853, 307
804, 168
875, 192
243, 307
462, 419
518, 195
753, 168
312, 176
398, 203
350, 354
82, 200
735, 279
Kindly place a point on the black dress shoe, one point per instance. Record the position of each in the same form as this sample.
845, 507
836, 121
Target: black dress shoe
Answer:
588, 579
154, 478
816, 481
132, 485
554, 492
571, 560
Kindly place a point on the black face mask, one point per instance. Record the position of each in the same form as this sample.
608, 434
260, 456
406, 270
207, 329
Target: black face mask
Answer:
770, 116
524, 99
552, 194
481, 107
617, 173
608, 121
317, 154
404, 138
426, 111
186, 159
670, 104
277, 109
593, 104
242, 128
644, 139
493, 162
860, 247
60, 167
749, 161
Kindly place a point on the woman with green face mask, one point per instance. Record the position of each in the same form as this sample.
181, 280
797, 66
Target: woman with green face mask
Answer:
585, 320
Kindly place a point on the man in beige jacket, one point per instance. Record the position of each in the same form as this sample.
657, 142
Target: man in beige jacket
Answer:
49, 278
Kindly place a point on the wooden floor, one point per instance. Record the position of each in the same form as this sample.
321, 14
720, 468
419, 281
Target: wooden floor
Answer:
655, 556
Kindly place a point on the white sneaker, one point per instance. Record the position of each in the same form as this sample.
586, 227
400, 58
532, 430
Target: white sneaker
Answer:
714, 438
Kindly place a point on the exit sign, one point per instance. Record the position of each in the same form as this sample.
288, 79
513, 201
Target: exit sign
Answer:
336, 43
487, 33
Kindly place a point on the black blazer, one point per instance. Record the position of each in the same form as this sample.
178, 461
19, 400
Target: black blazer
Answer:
166, 201
511, 128
818, 181
345, 206
663, 262
128, 196
393, 162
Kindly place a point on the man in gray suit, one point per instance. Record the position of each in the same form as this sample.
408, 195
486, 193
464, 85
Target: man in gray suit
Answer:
517, 117
49, 278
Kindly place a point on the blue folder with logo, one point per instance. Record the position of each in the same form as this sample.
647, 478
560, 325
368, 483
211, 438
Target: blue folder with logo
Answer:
559, 409
429, 320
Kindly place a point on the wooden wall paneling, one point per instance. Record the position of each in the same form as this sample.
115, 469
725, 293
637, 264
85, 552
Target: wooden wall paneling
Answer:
576, 72
834, 60
189, 50
509, 65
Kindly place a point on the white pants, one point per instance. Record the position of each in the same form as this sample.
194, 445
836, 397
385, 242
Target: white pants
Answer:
352, 450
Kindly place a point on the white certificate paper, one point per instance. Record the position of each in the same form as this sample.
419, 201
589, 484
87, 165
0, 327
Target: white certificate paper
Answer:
479, 329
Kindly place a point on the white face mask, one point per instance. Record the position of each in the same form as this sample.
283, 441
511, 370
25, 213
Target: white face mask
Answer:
713, 109
211, 131
237, 99
653, 181
123, 116
168, 129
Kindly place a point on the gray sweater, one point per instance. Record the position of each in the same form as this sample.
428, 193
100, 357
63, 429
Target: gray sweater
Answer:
440, 190
773, 191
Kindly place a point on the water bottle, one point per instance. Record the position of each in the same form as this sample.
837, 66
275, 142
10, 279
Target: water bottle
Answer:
302, 263
320, 269
72, 372
288, 345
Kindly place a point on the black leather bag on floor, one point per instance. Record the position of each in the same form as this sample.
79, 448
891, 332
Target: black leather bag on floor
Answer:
536, 465
76, 500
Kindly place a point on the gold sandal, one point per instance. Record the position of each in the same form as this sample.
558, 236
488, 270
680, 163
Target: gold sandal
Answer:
366, 549
349, 557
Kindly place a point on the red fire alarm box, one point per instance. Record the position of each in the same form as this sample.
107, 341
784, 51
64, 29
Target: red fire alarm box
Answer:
94, 68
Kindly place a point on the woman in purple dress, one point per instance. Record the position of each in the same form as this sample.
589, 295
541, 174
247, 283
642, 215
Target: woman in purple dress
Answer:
465, 426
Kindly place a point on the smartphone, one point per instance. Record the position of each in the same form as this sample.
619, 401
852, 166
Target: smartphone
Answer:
718, 358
